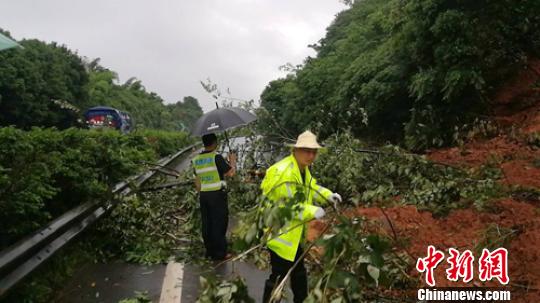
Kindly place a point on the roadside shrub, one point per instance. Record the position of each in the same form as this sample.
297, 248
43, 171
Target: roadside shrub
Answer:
45, 172
392, 174
165, 143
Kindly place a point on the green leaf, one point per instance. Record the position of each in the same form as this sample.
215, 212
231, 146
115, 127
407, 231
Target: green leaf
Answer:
342, 279
373, 273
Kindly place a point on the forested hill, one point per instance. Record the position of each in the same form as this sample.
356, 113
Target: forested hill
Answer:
407, 71
47, 84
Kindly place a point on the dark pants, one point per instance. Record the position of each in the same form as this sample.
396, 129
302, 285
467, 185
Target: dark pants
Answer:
280, 267
215, 219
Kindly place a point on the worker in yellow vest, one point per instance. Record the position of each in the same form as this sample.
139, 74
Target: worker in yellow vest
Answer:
210, 171
282, 181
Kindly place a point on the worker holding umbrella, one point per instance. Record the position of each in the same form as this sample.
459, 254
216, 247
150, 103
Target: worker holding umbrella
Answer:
210, 172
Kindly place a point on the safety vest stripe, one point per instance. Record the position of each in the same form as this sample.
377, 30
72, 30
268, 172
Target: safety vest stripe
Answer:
316, 195
289, 192
285, 242
206, 169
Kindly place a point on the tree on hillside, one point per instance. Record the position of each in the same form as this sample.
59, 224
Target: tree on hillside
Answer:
147, 108
49, 85
415, 68
32, 78
184, 114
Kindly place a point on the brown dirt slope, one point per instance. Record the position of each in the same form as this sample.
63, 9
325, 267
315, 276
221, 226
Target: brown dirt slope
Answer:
517, 114
516, 111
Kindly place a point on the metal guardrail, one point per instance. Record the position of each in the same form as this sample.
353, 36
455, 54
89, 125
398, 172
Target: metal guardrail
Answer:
20, 259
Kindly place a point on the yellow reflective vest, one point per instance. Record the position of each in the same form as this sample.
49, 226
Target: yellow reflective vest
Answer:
282, 181
206, 170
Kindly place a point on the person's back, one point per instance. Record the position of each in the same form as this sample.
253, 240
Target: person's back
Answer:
210, 171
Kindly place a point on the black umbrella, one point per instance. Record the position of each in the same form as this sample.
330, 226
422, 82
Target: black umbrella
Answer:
221, 119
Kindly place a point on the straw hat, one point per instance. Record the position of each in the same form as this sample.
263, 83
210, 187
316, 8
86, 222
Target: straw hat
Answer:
306, 139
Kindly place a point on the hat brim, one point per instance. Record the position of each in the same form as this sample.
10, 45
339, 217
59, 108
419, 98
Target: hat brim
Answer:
310, 146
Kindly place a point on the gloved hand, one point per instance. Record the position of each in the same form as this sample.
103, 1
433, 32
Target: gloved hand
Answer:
335, 197
319, 213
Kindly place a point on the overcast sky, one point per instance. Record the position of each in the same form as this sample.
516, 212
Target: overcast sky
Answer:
170, 45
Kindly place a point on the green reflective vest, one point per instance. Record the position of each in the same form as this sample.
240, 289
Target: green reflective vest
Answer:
206, 170
281, 181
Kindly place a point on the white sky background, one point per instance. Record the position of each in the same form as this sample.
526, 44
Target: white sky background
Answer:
170, 45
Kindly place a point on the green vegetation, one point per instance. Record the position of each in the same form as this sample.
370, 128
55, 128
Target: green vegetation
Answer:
31, 78
387, 177
48, 167
413, 73
152, 227
155, 226
412, 69
165, 143
363, 176
186, 112
495, 236
215, 291
146, 108
45, 172
140, 297
352, 261
49, 85
353, 267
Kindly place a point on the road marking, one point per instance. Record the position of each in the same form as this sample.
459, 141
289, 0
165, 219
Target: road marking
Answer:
171, 291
